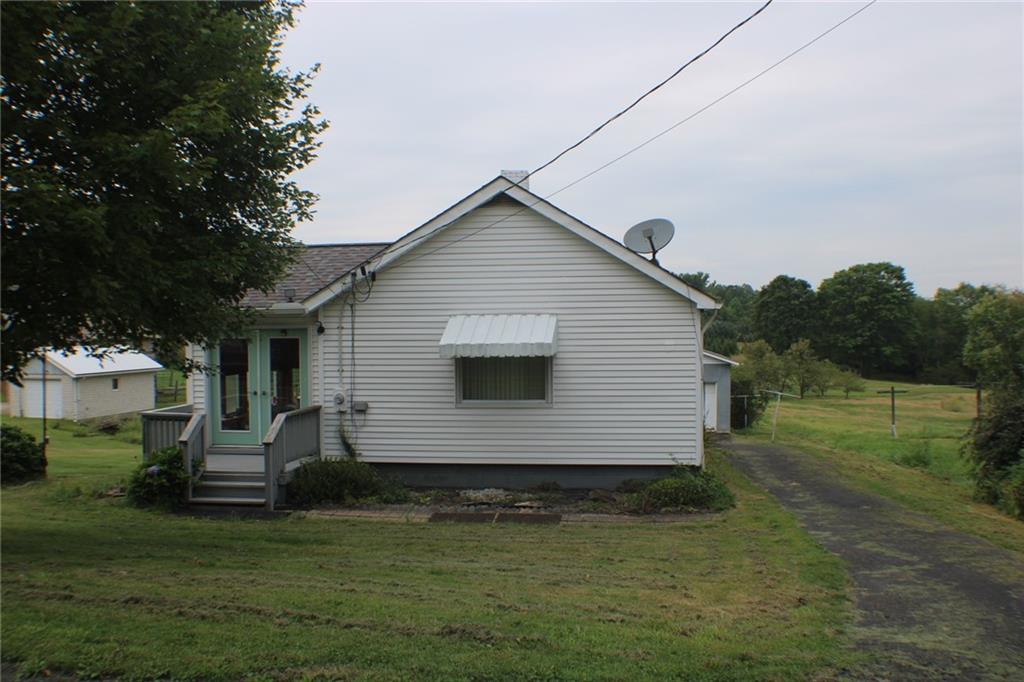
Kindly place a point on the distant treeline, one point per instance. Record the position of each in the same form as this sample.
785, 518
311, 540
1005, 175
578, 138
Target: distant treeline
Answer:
866, 318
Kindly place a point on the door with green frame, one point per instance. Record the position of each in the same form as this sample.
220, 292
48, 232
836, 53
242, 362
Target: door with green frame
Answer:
258, 377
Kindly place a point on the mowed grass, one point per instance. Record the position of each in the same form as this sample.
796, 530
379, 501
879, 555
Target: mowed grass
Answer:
96, 588
922, 468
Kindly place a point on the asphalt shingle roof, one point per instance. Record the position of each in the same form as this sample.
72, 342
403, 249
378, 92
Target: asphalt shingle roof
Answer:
316, 266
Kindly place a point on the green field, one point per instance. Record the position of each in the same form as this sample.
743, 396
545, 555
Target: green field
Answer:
922, 468
95, 588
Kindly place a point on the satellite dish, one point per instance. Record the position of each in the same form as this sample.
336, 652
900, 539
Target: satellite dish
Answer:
650, 236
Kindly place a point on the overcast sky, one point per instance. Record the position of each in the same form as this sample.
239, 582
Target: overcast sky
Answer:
898, 137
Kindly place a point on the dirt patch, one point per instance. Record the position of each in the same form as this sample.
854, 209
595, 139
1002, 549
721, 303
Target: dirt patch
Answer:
932, 603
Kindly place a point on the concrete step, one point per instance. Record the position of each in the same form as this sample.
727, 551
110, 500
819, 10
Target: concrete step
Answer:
229, 489
216, 475
246, 501
235, 450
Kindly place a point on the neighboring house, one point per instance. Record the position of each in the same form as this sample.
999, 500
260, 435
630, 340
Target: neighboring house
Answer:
717, 392
504, 342
79, 386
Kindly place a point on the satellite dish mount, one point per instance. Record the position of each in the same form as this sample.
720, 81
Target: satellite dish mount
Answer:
650, 236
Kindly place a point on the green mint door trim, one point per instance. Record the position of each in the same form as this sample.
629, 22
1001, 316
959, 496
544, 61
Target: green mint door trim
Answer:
268, 389
229, 417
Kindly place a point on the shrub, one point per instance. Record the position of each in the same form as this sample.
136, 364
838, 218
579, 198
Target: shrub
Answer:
685, 489
160, 482
21, 457
342, 481
1012, 493
919, 456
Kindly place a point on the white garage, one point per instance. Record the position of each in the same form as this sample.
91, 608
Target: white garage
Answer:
78, 386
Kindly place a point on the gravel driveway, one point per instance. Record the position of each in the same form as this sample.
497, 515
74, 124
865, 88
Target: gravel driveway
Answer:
932, 603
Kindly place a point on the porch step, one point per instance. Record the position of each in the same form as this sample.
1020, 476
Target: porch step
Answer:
228, 489
218, 475
247, 501
235, 450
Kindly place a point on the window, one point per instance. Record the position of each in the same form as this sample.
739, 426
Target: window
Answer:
113, 384
521, 379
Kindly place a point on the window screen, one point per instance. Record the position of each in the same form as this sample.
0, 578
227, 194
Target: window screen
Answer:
503, 378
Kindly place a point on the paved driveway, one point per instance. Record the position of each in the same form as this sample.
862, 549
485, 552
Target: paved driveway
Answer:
932, 603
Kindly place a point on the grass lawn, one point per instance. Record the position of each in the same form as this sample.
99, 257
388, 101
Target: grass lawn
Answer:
921, 468
94, 587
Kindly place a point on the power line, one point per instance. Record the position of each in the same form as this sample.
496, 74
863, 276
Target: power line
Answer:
644, 96
629, 152
620, 113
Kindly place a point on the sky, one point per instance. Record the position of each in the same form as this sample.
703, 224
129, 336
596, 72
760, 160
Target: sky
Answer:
898, 137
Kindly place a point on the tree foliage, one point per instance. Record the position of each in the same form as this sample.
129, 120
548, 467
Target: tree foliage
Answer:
867, 317
726, 328
785, 311
942, 333
995, 349
146, 155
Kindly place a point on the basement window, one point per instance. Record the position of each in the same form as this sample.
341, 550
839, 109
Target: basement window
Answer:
497, 380
113, 384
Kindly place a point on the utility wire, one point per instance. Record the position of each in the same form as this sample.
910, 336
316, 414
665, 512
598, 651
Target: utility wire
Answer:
644, 96
629, 152
615, 116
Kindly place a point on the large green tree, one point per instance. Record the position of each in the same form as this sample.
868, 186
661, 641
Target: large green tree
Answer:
942, 327
995, 349
785, 311
147, 149
726, 328
867, 318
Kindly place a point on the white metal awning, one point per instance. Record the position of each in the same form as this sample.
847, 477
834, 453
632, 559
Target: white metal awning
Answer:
500, 336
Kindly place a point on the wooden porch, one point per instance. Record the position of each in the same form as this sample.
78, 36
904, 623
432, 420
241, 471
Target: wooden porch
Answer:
235, 474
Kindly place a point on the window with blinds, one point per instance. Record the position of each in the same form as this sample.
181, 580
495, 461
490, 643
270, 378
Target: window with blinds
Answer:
504, 379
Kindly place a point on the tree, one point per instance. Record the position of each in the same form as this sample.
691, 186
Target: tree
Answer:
848, 381
942, 322
802, 366
867, 317
146, 155
995, 349
784, 311
726, 328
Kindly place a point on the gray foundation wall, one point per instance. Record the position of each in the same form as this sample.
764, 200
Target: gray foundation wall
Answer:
514, 476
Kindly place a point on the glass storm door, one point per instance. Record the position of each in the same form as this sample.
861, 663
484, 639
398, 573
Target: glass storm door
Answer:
258, 377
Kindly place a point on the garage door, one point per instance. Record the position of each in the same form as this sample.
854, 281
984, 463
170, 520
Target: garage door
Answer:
32, 398
711, 406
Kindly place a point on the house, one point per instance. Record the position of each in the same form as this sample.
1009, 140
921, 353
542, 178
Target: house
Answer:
79, 386
717, 392
503, 342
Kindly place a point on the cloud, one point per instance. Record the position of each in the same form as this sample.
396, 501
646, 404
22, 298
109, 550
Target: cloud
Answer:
897, 137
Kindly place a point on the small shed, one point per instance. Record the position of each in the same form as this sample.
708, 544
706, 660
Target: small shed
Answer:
717, 391
79, 386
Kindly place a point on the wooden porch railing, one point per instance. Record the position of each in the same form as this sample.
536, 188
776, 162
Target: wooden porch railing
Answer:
293, 438
192, 443
162, 428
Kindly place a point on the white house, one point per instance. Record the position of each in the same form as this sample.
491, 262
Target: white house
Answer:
503, 342
79, 386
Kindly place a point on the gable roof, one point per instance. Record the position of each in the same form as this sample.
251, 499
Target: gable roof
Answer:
502, 185
314, 266
80, 364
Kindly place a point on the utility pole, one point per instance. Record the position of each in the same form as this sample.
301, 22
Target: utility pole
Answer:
778, 401
892, 396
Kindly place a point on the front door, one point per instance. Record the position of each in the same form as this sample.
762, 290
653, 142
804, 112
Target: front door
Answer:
258, 377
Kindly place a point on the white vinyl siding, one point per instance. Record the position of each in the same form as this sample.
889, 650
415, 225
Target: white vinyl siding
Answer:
625, 382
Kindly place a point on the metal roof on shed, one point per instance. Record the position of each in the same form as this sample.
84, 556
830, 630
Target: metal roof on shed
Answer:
80, 363
500, 336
